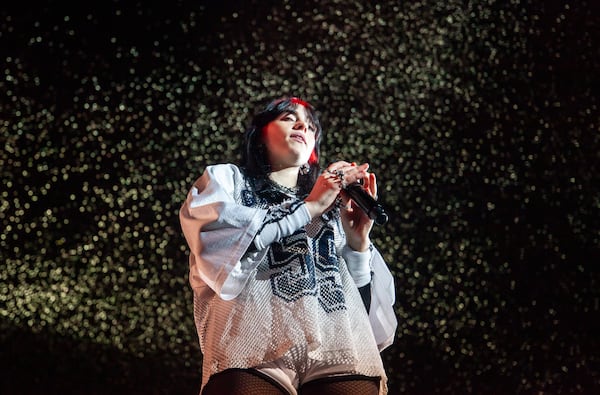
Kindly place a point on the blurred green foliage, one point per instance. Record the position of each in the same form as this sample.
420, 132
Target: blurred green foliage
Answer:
479, 119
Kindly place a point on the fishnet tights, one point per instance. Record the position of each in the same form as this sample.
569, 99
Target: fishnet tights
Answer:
341, 385
249, 382
241, 382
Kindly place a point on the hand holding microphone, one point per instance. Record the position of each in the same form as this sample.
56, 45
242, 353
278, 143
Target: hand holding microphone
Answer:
366, 202
362, 198
350, 179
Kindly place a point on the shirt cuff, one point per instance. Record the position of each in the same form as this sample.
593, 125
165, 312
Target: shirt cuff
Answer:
359, 265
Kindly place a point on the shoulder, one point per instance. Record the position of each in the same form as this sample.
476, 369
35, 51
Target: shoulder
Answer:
223, 170
227, 175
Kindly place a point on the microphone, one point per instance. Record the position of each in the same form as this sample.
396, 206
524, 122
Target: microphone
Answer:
366, 202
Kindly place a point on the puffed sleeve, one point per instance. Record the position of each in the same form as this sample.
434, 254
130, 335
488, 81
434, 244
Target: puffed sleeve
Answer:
219, 231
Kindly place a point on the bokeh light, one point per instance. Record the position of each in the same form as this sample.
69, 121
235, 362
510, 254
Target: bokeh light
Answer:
480, 120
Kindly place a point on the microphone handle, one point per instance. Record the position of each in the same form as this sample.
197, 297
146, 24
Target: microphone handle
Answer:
366, 202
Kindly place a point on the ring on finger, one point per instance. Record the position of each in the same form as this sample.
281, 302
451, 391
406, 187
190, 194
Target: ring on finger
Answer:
338, 173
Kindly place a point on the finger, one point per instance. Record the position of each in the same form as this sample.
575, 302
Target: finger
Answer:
335, 171
348, 173
370, 184
373, 185
332, 180
358, 168
338, 165
354, 173
367, 182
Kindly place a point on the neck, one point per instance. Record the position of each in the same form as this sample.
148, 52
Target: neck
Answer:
288, 177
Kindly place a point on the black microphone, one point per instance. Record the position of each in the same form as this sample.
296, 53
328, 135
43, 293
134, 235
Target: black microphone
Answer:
366, 202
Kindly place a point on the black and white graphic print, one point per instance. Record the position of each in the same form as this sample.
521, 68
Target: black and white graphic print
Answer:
295, 272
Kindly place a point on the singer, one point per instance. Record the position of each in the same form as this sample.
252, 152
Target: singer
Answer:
290, 294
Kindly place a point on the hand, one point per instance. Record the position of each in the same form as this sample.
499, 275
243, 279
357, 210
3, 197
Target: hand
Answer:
329, 184
356, 223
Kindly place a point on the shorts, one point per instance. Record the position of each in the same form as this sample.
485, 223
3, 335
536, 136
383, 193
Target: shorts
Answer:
295, 368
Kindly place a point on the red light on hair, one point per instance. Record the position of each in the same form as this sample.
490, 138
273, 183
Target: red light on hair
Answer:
296, 100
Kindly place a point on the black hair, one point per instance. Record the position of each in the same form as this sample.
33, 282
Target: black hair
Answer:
255, 161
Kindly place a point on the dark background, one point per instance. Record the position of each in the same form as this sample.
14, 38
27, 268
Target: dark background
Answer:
480, 120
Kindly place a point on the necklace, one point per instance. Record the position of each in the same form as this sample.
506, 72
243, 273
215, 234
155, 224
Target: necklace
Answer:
282, 188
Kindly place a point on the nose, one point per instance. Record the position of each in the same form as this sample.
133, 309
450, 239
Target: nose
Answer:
301, 125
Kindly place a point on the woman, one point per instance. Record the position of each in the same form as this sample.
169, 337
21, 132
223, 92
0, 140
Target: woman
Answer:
290, 296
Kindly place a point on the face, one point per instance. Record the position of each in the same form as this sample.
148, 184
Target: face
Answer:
290, 139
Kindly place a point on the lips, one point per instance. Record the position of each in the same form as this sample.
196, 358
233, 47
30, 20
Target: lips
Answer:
298, 137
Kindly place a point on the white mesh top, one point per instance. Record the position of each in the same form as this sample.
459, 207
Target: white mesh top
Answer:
253, 305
